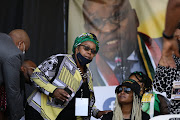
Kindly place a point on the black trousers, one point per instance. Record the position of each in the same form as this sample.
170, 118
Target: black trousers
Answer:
32, 114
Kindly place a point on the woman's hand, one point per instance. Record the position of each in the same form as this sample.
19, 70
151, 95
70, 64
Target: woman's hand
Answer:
61, 94
100, 113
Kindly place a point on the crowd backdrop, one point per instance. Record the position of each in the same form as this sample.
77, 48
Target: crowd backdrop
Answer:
53, 26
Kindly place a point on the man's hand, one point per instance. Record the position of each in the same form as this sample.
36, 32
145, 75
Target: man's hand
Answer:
61, 94
170, 47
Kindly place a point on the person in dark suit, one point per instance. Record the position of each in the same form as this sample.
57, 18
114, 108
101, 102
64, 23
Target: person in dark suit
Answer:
27, 69
12, 49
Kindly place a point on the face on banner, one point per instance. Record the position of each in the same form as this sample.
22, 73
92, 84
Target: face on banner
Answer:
115, 25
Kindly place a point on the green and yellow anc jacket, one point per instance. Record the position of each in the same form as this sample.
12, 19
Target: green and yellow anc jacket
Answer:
58, 71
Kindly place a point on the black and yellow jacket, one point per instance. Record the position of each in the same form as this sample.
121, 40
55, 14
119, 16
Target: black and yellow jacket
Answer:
58, 71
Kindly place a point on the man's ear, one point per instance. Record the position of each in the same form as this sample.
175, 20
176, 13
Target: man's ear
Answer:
21, 43
22, 69
136, 18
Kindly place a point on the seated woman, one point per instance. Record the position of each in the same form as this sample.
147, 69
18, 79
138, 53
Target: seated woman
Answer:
128, 103
152, 103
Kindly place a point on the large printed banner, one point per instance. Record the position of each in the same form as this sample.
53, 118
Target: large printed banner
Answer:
129, 33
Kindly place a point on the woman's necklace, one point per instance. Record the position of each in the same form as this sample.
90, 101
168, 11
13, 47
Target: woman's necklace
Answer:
84, 76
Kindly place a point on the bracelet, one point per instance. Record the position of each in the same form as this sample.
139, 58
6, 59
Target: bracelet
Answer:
168, 37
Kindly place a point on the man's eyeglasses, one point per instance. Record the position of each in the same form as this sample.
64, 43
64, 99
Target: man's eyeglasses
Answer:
126, 90
87, 48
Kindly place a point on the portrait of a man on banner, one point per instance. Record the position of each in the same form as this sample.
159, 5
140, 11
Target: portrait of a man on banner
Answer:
123, 49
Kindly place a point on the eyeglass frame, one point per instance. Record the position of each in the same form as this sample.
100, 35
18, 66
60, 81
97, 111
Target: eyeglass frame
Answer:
126, 90
113, 19
87, 48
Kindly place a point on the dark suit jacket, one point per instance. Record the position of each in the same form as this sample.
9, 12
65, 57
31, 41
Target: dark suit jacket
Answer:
11, 59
